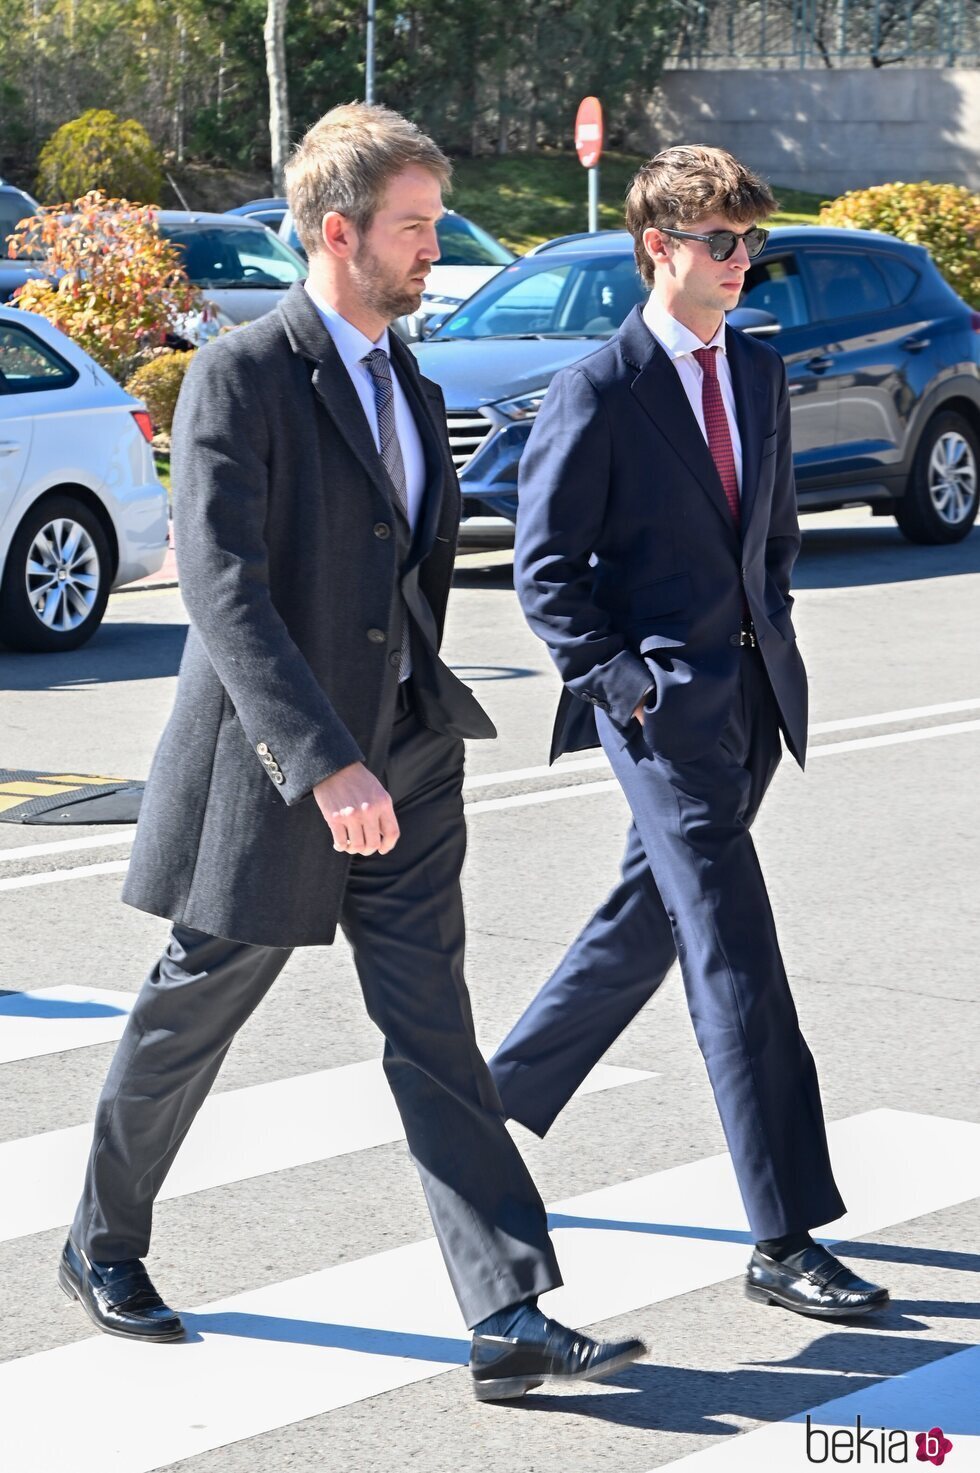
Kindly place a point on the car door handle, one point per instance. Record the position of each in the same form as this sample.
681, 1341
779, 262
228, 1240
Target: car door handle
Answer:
10, 447
914, 345
820, 364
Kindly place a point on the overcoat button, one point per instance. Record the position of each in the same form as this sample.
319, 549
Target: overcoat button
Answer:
381, 529
262, 748
268, 759
278, 778
377, 636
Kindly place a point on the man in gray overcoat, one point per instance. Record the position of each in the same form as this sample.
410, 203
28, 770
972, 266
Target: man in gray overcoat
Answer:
311, 772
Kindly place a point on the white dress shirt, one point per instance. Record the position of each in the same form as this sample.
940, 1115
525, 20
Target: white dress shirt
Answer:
352, 345
679, 343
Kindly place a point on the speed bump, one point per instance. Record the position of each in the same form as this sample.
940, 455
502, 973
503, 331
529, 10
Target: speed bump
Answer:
67, 797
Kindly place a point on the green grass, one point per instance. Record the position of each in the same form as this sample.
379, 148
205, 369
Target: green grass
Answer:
162, 463
526, 198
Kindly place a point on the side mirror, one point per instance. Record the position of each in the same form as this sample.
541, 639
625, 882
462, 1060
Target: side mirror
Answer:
756, 323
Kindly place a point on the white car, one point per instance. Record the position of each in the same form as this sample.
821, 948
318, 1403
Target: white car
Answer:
81, 508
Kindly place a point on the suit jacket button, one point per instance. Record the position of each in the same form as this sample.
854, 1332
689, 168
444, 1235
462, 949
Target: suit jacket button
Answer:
278, 778
268, 759
377, 636
381, 529
735, 639
262, 748
395, 658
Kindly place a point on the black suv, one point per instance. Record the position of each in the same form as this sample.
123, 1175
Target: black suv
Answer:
882, 358
15, 206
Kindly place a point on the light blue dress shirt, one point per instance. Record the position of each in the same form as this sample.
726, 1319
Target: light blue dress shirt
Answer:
352, 345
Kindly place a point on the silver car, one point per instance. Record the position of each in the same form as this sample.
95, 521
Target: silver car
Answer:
81, 508
240, 267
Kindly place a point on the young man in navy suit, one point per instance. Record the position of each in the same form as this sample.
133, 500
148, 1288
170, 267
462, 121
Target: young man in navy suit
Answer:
657, 534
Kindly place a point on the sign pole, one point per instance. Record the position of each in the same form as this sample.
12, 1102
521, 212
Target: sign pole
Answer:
588, 146
369, 62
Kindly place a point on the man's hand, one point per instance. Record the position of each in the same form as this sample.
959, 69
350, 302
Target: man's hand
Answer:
638, 713
359, 811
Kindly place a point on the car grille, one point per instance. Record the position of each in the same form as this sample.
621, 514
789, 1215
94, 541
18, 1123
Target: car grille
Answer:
467, 433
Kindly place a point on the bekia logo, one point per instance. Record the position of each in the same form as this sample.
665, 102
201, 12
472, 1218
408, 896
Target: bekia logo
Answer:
873, 1445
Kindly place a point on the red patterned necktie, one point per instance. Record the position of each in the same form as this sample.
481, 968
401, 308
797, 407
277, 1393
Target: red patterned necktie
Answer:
716, 424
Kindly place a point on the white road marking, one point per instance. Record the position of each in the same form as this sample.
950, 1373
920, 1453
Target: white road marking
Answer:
894, 738
885, 718
553, 795
68, 846
49, 1020
941, 1394
293, 1350
237, 1135
55, 876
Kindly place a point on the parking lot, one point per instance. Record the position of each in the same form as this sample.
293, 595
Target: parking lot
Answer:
870, 858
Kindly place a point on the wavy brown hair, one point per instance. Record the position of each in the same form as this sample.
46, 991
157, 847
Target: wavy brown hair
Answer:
346, 162
682, 186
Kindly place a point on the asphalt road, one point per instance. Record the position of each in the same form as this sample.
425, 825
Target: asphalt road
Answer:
871, 858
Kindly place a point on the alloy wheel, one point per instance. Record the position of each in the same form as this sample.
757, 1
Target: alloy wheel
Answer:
952, 477
62, 575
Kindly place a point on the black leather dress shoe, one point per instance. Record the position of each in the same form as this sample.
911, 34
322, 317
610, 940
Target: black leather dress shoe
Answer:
503, 1368
118, 1297
815, 1283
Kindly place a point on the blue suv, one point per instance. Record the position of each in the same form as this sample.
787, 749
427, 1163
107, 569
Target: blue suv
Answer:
882, 359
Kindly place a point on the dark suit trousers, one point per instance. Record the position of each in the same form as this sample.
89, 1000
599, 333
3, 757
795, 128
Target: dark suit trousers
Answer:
403, 917
691, 888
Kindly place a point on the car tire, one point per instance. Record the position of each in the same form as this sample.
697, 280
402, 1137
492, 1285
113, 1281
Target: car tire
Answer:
940, 501
57, 578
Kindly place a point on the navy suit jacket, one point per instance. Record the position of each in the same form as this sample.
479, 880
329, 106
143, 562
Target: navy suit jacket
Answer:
627, 561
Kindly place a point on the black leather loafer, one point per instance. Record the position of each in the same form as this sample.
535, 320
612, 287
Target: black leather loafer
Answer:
118, 1297
503, 1368
815, 1283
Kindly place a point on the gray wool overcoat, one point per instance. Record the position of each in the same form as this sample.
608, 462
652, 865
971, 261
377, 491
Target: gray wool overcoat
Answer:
296, 580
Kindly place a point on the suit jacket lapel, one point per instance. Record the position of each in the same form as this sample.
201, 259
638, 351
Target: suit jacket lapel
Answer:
659, 391
424, 413
749, 389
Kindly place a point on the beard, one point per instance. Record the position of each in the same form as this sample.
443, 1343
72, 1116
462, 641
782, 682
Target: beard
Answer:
381, 289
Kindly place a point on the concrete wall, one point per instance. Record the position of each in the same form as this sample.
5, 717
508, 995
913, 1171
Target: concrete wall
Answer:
827, 131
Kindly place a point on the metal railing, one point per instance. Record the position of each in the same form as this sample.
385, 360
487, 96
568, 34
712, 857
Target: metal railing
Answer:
826, 33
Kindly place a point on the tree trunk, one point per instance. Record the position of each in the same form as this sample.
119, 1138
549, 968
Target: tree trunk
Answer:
275, 63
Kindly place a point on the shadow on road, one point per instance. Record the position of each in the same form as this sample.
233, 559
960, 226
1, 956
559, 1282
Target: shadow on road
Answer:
859, 557
116, 652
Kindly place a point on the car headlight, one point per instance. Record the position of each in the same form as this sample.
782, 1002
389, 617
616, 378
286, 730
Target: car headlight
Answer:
525, 407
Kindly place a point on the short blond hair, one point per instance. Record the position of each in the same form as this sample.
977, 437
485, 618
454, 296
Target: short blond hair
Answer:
682, 186
346, 162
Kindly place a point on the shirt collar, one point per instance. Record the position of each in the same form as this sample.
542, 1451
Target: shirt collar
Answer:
350, 342
677, 340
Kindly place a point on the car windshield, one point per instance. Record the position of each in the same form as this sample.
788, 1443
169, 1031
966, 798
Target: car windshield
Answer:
461, 243
544, 298
222, 256
14, 207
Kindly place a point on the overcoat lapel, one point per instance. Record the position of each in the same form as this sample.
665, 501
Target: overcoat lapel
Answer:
659, 391
435, 465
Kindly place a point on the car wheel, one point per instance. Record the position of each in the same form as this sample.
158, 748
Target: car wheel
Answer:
57, 578
940, 501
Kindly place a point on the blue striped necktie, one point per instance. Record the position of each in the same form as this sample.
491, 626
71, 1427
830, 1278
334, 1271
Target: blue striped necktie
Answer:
379, 366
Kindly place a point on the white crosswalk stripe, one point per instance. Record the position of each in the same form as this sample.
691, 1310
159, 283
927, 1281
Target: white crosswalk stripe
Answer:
49, 1020
271, 1356
237, 1135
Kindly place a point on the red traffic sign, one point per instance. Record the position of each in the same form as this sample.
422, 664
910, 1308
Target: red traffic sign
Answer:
588, 131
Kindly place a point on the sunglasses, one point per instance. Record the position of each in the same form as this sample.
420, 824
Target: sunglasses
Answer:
723, 243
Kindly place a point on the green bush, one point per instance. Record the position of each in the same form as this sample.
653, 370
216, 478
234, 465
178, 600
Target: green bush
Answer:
945, 218
158, 384
100, 151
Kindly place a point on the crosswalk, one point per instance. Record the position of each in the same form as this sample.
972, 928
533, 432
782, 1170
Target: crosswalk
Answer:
278, 1354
